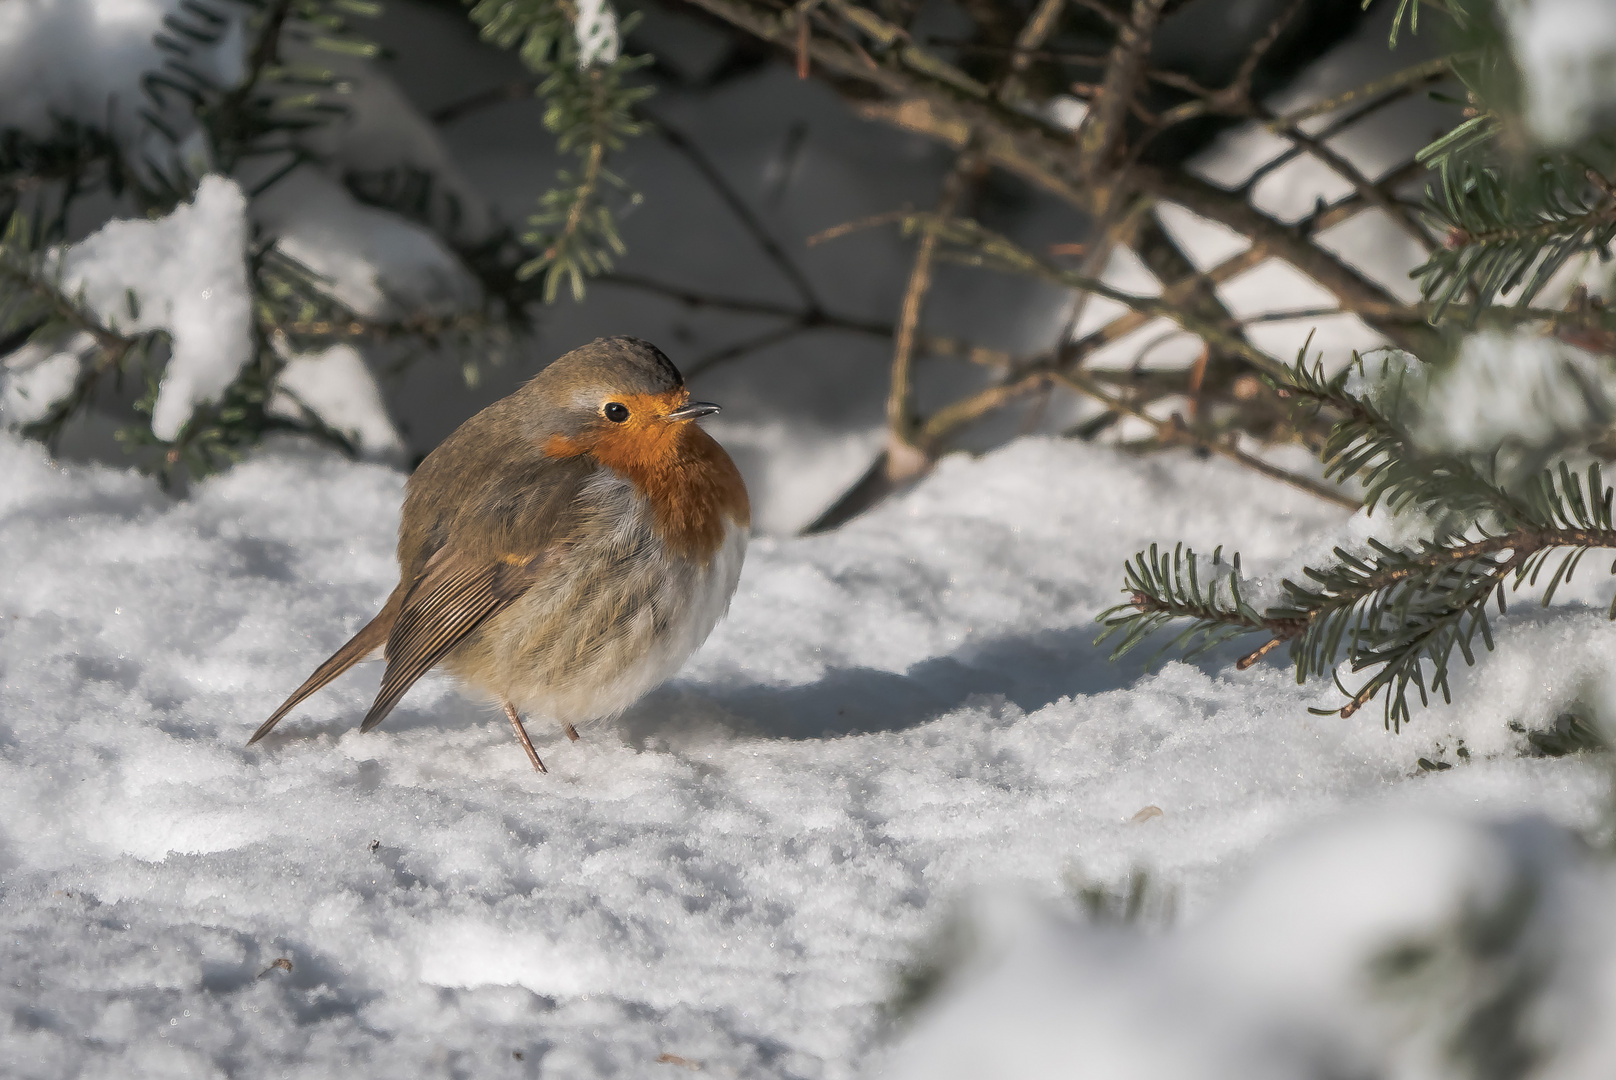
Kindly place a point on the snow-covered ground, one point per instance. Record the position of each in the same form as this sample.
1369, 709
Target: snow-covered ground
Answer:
902, 751
736, 872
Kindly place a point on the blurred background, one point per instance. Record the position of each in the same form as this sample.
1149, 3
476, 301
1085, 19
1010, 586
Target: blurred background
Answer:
393, 154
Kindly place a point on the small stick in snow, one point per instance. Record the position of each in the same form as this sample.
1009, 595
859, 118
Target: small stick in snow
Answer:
682, 1062
521, 737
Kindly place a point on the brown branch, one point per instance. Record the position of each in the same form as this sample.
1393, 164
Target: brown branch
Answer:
1408, 79
1033, 35
836, 232
1100, 136
1371, 192
1175, 432
900, 421
1363, 297
1235, 98
1100, 8
742, 306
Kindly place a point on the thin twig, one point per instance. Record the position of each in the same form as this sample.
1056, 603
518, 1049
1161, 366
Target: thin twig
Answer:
1176, 431
836, 232
1408, 78
513, 90
1372, 194
1033, 34
900, 422
742, 348
1235, 98
1104, 127
695, 298
1099, 8
737, 206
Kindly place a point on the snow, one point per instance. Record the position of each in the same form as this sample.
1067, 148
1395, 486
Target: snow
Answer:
596, 30
46, 76
1412, 945
736, 871
1566, 50
336, 385
374, 262
185, 273
36, 376
898, 723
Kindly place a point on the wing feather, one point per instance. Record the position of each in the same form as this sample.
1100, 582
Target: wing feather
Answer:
456, 595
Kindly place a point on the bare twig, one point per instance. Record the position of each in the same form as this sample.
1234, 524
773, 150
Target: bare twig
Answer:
695, 298
512, 90
1409, 78
1103, 130
836, 232
742, 348
1371, 192
738, 207
900, 422
1176, 431
1033, 34
1100, 8
1235, 98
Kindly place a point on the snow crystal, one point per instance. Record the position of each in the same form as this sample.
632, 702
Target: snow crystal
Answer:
1566, 50
186, 274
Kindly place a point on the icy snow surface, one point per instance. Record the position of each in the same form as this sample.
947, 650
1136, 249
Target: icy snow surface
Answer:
733, 873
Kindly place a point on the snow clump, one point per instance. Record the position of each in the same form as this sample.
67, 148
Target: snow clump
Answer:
186, 274
1566, 50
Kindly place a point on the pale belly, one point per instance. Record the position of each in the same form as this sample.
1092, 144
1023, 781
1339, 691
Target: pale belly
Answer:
610, 624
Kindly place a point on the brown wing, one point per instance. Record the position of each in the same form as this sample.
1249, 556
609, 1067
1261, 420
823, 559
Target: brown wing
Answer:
361, 645
456, 594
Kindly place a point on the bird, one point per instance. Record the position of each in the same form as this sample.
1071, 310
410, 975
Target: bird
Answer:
564, 550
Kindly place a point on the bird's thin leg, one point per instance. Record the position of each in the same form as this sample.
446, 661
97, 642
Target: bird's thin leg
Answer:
572, 732
521, 737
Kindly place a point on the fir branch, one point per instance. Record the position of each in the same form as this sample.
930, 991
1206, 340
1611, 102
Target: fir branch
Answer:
34, 306
590, 110
1507, 231
1163, 589
1399, 613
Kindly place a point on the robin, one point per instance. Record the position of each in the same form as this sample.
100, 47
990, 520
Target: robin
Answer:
563, 551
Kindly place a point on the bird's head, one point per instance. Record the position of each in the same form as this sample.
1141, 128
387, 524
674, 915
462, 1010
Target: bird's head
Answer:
617, 399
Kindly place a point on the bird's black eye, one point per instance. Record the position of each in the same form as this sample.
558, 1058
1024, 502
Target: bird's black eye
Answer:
616, 411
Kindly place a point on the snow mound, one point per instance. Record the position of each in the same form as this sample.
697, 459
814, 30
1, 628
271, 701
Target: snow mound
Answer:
336, 385
1397, 946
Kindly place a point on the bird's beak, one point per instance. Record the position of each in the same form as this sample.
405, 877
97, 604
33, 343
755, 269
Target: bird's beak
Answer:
694, 410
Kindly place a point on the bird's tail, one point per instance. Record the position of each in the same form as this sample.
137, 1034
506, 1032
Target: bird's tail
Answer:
361, 645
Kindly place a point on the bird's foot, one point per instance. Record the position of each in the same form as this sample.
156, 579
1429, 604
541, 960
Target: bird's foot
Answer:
521, 737
572, 732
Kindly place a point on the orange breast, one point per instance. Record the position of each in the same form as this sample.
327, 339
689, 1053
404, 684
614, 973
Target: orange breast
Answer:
693, 487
